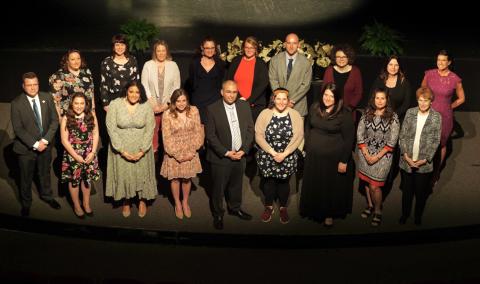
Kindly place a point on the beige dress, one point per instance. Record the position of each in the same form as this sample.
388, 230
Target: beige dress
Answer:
181, 137
131, 133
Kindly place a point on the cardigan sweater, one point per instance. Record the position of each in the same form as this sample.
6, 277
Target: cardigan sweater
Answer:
264, 119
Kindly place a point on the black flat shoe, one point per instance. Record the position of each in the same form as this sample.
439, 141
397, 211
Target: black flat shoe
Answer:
25, 212
89, 214
218, 222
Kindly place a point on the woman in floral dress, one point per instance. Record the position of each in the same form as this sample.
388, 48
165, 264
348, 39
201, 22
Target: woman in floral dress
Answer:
278, 133
182, 135
79, 132
72, 77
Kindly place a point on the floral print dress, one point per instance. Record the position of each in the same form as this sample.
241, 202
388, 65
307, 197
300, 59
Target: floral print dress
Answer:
71, 84
277, 134
82, 142
114, 77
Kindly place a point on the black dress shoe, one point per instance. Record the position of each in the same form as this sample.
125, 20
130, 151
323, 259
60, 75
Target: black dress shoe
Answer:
25, 212
54, 204
218, 222
418, 221
402, 220
241, 214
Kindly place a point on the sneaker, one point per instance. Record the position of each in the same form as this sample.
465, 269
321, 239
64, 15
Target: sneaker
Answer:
267, 214
284, 219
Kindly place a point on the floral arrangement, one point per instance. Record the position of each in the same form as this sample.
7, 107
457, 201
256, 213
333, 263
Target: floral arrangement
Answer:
318, 53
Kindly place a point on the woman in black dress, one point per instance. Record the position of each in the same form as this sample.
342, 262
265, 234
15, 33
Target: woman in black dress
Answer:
206, 76
329, 169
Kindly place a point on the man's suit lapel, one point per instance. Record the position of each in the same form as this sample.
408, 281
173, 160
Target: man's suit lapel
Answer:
27, 107
223, 118
283, 69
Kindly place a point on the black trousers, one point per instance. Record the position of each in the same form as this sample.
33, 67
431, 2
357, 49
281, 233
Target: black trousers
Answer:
29, 165
416, 185
227, 178
276, 188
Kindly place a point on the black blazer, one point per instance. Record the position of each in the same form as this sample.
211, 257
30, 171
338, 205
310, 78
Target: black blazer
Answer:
219, 137
261, 83
23, 122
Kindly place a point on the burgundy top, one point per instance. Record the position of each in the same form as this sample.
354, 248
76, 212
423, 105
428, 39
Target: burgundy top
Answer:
353, 90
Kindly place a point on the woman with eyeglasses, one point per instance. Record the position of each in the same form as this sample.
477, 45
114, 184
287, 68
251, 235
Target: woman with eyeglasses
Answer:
251, 75
346, 76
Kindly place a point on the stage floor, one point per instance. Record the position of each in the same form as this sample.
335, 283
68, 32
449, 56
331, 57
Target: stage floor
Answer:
454, 201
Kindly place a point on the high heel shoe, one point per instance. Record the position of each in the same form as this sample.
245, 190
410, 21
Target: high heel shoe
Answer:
178, 213
187, 212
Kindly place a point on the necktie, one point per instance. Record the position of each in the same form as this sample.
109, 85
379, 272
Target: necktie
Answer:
236, 139
38, 121
289, 67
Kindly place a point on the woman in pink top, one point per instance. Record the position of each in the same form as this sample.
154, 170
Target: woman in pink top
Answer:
444, 83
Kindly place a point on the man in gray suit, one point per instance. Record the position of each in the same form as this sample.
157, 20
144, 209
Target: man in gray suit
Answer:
292, 71
34, 121
229, 131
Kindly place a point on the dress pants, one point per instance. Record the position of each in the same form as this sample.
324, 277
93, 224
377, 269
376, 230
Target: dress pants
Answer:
227, 178
416, 185
30, 164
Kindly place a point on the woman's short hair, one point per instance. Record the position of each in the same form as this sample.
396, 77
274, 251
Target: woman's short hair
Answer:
120, 38
425, 93
345, 48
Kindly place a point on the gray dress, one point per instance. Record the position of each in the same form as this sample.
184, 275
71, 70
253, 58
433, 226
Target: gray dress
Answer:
131, 133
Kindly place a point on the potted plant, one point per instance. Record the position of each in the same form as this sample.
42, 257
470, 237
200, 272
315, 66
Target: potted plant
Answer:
139, 34
381, 40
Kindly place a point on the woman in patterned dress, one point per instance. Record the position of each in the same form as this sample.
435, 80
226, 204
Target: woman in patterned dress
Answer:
278, 133
131, 166
73, 76
377, 136
79, 133
117, 70
444, 83
182, 135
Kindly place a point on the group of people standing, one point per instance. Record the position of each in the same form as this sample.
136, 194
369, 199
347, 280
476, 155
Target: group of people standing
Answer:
225, 111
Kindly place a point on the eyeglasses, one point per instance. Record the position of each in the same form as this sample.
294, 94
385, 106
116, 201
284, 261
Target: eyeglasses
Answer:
209, 48
341, 57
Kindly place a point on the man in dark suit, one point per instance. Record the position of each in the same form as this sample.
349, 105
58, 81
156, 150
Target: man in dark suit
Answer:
229, 132
34, 120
